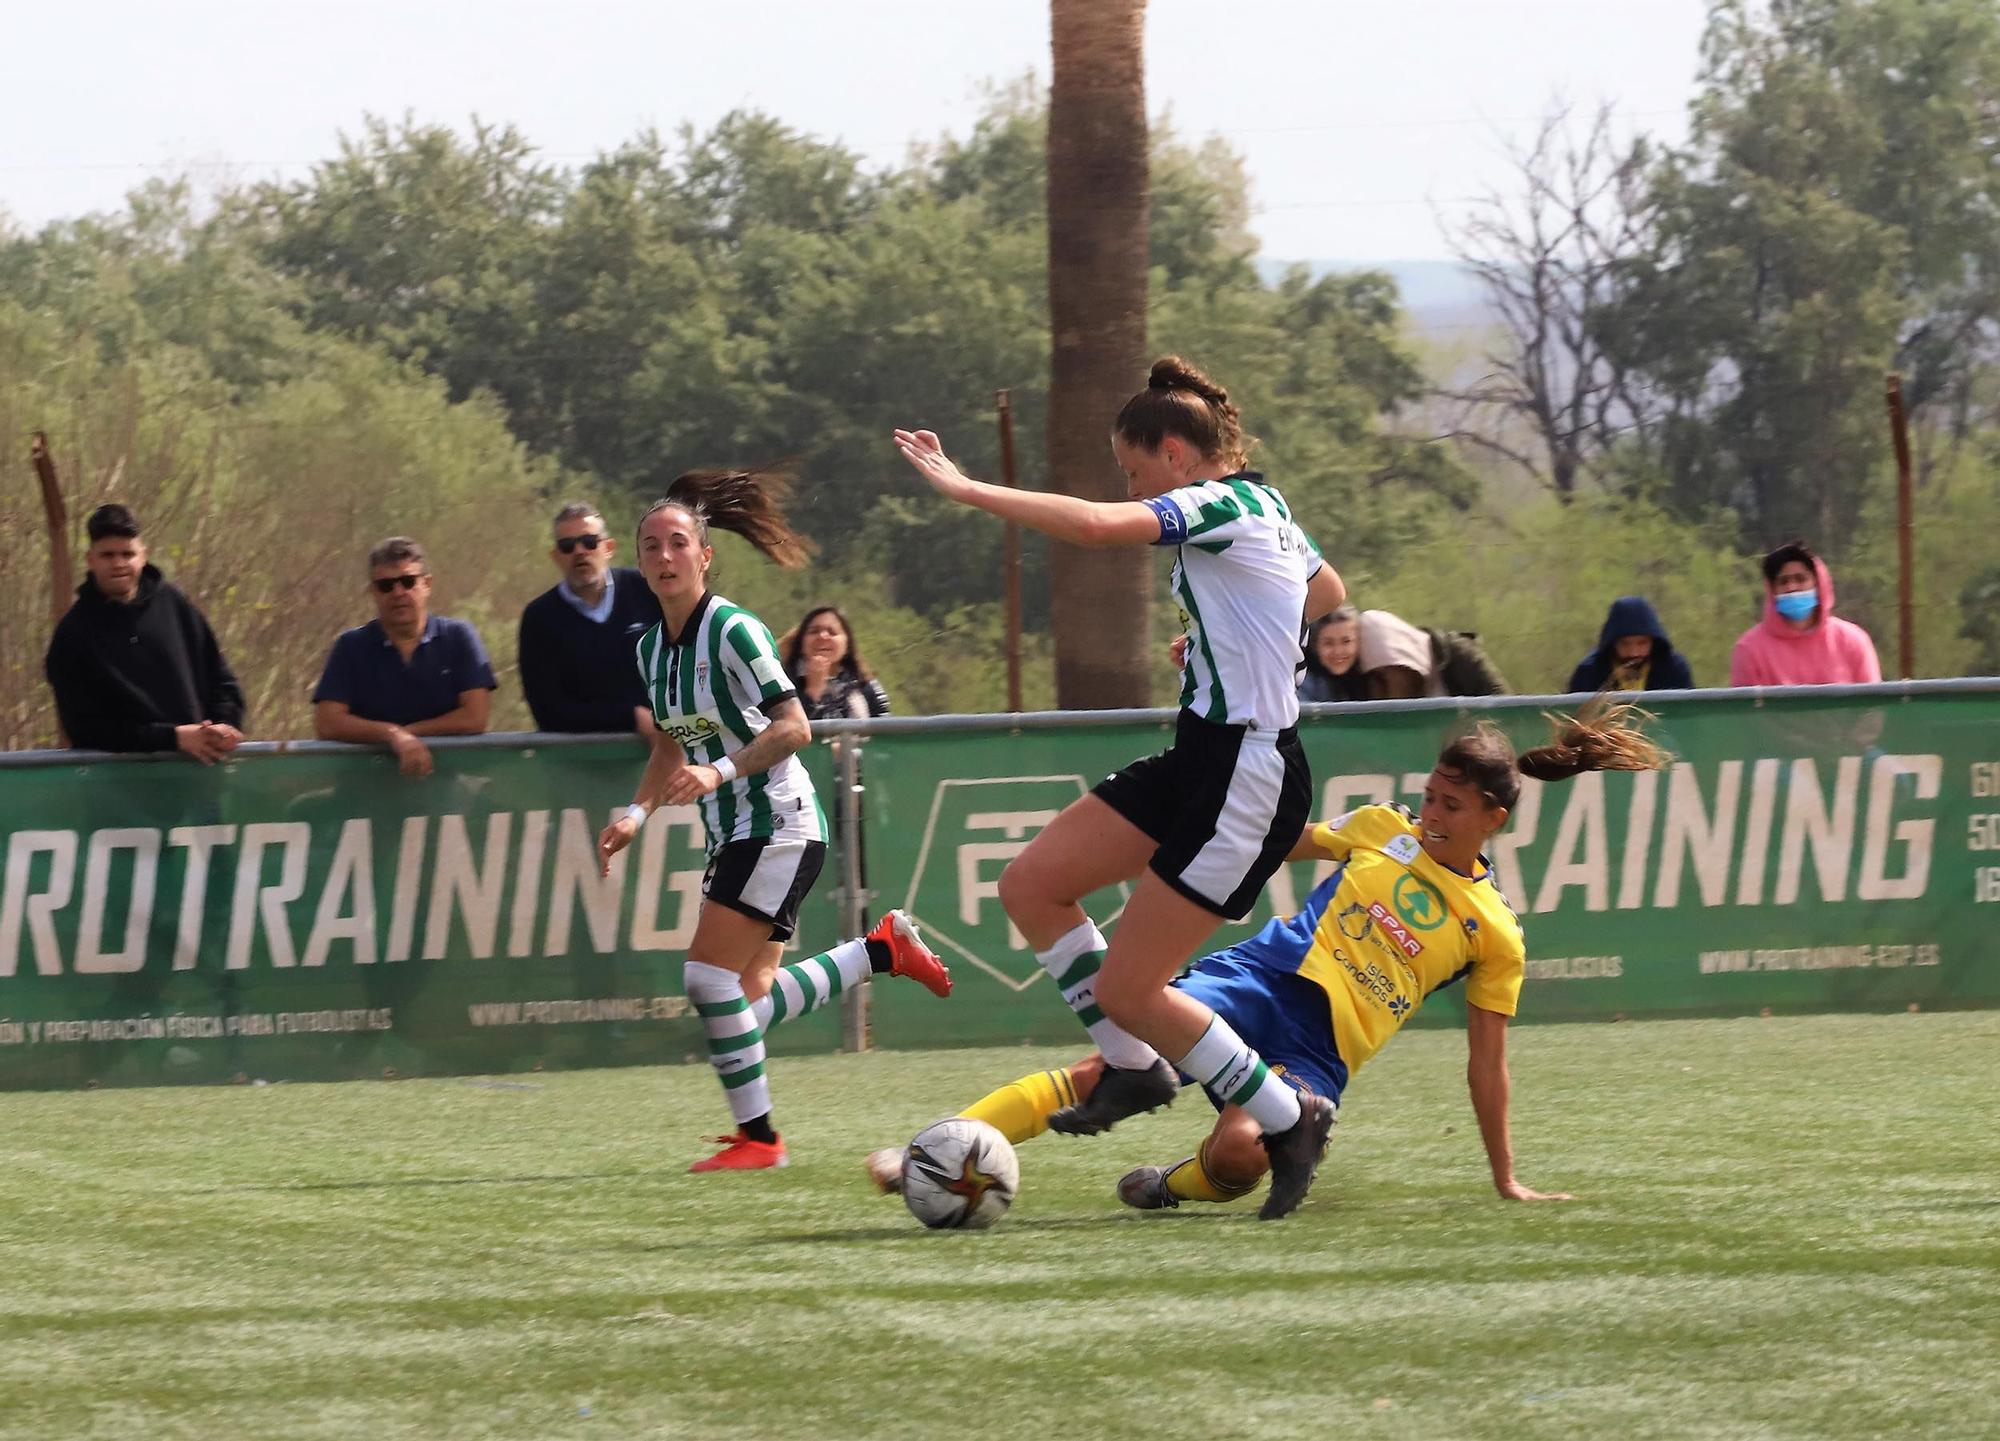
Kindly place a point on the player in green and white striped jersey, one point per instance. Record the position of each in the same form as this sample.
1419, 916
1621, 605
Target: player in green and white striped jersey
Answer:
1205, 824
730, 728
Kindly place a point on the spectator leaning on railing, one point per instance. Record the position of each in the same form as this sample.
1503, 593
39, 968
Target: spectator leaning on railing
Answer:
580, 637
407, 673
1800, 641
134, 666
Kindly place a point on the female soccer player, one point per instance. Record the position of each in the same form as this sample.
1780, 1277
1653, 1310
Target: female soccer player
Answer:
731, 727
1410, 908
1205, 823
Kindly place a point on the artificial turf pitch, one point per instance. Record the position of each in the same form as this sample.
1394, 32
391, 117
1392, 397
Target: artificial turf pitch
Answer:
1784, 1228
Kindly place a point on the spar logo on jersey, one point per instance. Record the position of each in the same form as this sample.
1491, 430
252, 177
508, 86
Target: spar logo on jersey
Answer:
1398, 933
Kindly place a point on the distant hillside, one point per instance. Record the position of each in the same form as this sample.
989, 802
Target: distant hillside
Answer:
1441, 295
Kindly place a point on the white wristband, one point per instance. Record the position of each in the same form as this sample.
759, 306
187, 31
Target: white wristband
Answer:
725, 768
636, 814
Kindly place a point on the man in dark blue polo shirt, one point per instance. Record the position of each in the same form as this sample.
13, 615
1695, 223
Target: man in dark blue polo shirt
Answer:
407, 673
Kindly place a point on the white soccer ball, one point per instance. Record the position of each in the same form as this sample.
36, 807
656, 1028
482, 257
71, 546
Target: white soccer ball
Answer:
960, 1173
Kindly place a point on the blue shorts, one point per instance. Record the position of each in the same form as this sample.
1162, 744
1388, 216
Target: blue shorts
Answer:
1279, 1014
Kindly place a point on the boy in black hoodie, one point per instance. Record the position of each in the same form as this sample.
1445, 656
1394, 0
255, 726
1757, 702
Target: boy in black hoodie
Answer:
1633, 653
133, 664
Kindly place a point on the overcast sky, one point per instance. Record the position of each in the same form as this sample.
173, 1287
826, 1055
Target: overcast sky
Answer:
1358, 120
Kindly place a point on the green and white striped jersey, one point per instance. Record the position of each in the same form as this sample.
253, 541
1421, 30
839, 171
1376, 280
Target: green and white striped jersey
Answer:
711, 690
1240, 573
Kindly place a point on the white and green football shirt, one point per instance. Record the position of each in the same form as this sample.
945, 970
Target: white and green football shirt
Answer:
711, 690
1240, 572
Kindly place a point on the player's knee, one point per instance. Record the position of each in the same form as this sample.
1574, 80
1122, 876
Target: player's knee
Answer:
1236, 1157
1024, 887
1131, 1001
703, 982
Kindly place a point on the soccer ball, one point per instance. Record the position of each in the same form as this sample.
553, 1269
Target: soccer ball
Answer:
960, 1173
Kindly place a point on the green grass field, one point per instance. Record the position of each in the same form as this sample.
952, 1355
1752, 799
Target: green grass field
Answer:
1785, 1228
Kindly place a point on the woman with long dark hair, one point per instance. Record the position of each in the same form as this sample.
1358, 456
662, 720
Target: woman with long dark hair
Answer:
824, 660
1203, 825
731, 726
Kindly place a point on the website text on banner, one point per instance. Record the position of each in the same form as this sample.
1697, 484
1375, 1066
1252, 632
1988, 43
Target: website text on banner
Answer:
318, 915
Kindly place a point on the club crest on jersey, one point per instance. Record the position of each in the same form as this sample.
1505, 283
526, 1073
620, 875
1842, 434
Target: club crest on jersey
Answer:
1402, 849
1394, 929
1354, 922
700, 673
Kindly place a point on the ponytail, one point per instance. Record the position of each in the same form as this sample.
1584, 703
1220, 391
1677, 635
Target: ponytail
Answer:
1604, 736
749, 503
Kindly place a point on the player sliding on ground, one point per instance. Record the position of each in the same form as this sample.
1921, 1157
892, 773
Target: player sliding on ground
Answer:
1411, 907
1206, 823
731, 726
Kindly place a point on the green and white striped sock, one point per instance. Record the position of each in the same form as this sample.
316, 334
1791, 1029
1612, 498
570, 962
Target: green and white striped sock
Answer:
735, 1040
1237, 1076
810, 984
1073, 961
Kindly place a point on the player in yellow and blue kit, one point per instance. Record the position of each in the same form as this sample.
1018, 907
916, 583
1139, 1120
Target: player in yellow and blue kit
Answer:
1410, 908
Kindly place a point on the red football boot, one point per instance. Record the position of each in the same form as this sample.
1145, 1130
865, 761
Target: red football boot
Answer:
909, 956
740, 1153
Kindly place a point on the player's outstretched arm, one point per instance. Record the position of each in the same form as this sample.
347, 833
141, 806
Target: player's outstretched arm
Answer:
1066, 517
1486, 1076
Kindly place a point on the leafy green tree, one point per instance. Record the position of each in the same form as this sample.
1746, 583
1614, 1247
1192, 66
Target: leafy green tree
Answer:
1831, 217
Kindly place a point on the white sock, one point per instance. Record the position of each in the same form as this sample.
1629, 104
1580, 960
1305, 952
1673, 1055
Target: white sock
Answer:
1237, 1076
811, 983
735, 1040
1073, 961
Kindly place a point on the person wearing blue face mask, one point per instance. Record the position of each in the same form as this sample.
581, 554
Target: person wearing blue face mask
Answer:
1800, 641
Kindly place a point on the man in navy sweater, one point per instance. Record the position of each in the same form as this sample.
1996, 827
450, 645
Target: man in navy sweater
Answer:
133, 664
579, 638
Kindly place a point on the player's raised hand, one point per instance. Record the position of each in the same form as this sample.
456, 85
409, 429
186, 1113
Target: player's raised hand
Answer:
925, 453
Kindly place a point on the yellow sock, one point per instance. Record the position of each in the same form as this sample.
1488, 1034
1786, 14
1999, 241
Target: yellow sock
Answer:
1191, 1181
1021, 1109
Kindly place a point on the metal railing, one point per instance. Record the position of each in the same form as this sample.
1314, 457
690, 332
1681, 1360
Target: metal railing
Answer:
1048, 719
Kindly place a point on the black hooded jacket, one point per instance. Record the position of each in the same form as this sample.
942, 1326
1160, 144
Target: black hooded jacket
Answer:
1632, 615
126, 674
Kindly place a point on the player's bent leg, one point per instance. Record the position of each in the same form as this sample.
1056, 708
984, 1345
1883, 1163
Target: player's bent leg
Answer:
1087, 847
1159, 931
1084, 849
1226, 1168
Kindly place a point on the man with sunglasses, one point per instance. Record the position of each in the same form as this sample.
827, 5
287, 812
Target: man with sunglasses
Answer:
406, 674
579, 638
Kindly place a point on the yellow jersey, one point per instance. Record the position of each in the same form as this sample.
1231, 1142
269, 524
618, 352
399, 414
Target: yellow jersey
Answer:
1395, 926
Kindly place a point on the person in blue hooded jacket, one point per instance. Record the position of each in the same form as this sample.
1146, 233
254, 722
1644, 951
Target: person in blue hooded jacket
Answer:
1633, 653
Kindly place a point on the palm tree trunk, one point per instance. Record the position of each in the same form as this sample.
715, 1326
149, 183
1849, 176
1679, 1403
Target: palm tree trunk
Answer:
1099, 194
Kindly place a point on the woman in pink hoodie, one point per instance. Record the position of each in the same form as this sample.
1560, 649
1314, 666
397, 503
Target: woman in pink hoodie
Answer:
1800, 641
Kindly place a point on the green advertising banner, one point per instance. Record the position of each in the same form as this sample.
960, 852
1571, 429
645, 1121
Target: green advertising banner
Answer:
320, 915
